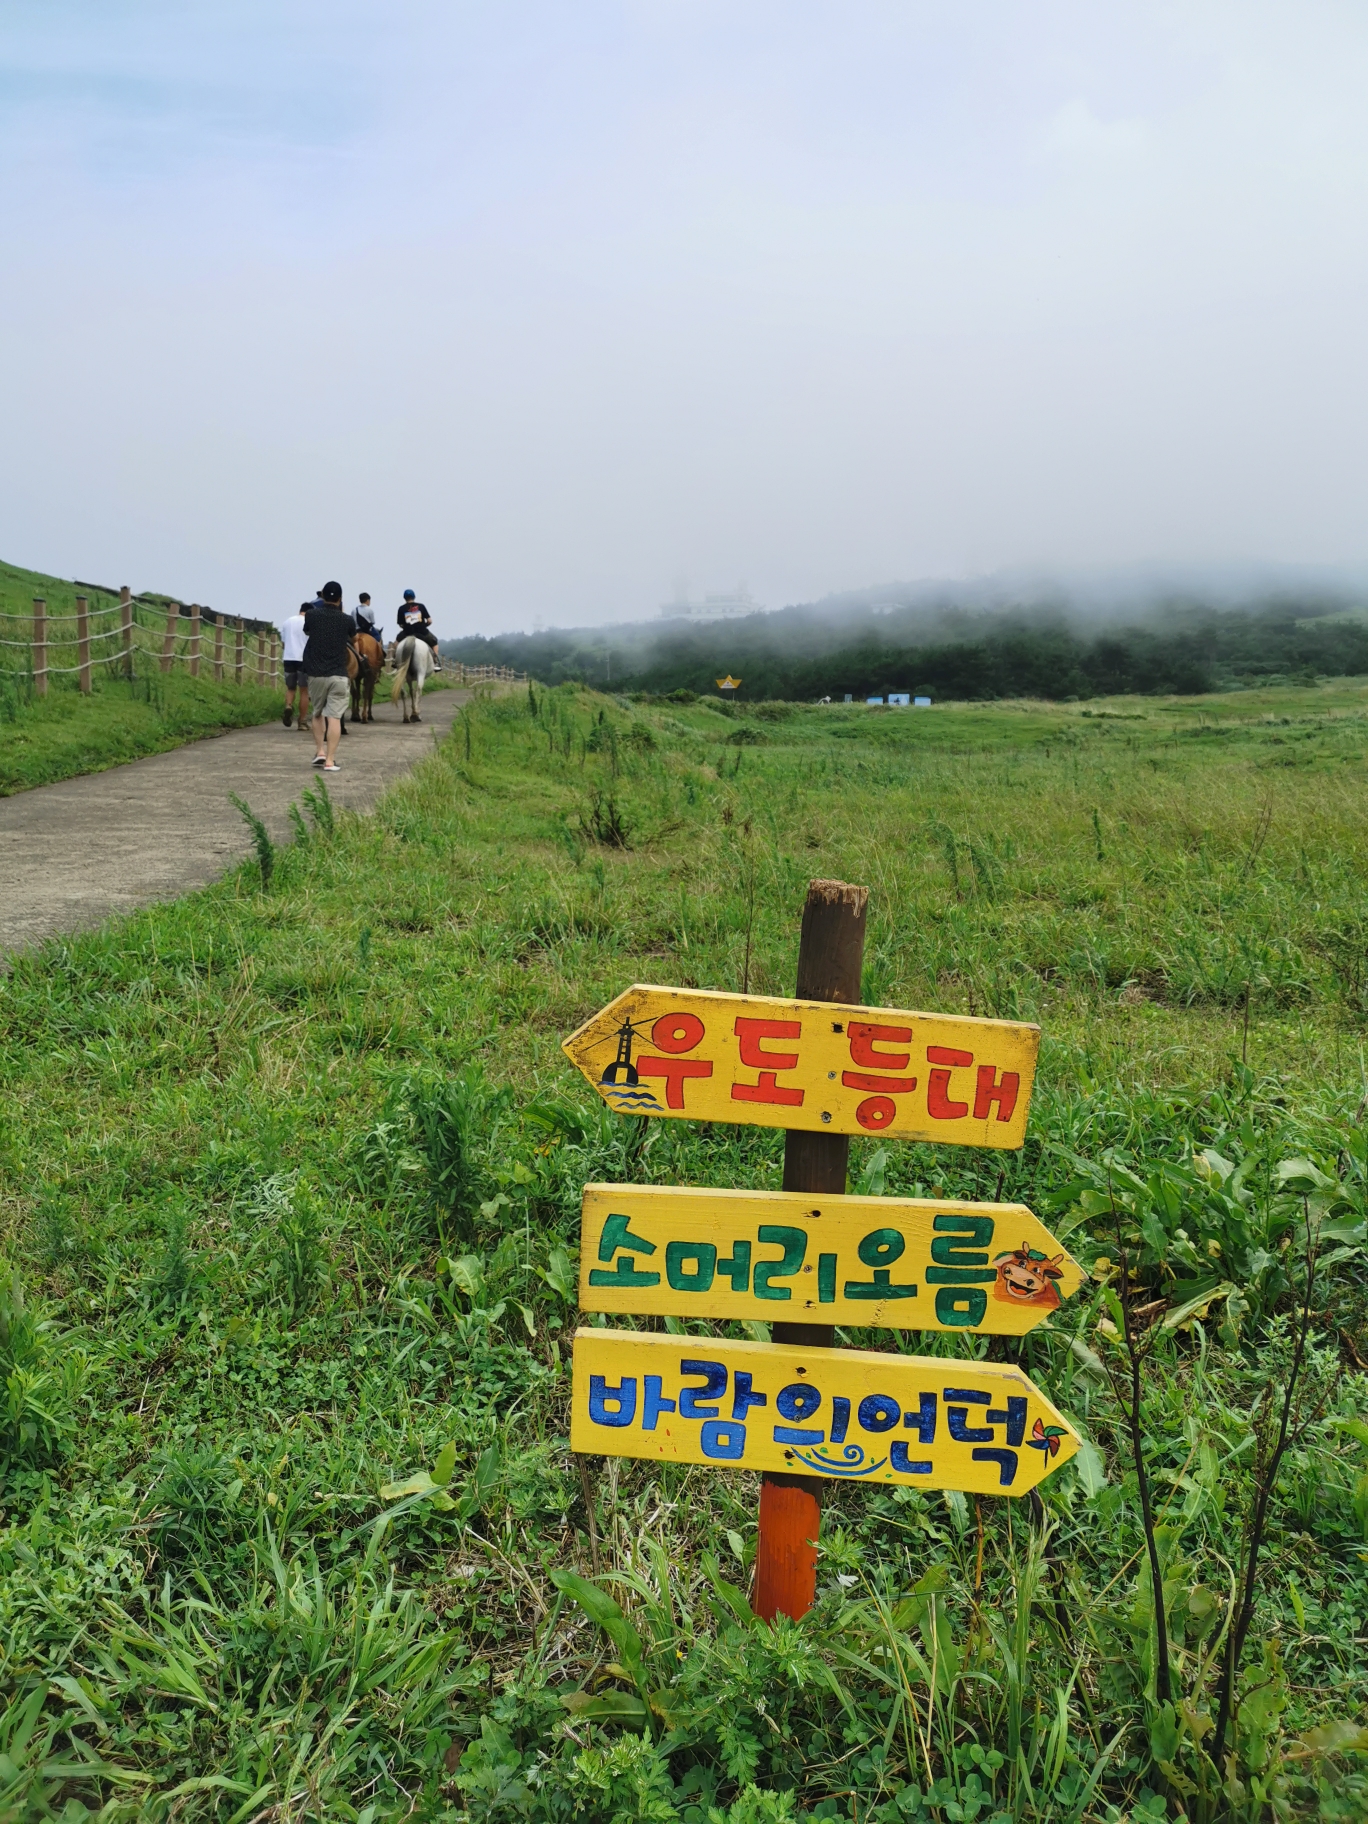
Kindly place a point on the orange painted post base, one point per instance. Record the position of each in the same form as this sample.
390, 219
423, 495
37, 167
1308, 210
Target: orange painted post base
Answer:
786, 1553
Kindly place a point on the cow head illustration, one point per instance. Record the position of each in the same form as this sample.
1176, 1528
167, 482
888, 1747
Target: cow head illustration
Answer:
1027, 1277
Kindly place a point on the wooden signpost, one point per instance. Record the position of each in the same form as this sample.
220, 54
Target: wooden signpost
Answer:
824, 1067
809, 1065
909, 1264
843, 1413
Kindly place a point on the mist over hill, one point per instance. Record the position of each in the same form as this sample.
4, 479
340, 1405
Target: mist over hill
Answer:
977, 641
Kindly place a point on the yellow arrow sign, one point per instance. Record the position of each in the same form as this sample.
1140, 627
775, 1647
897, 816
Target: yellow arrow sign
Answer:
844, 1413
909, 1264
810, 1064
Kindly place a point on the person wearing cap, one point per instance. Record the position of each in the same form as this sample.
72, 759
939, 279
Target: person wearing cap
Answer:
414, 619
328, 631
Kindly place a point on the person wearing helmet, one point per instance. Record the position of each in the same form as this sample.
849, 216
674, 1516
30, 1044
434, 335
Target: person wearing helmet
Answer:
414, 619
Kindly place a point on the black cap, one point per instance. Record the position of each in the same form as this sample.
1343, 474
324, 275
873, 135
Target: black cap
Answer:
331, 592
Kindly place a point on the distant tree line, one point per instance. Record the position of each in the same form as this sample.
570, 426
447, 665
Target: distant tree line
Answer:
1182, 648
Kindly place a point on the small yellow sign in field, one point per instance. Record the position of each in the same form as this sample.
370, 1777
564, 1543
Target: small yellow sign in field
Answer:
810, 1064
910, 1264
844, 1413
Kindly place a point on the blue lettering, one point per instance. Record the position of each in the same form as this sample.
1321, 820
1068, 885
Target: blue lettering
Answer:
714, 1386
923, 1421
1006, 1461
742, 1397
957, 1416
878, 1412
1014, 1418
723, 1438
797, 1401
612, 1405
905, 1465
653, 1405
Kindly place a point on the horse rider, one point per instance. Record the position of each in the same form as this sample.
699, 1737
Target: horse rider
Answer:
414, 619
363, 619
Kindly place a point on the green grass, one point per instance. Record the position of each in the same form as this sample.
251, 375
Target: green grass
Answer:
65, 733
290, 1191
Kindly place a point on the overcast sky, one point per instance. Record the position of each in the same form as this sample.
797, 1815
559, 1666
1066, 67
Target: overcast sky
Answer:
538, 308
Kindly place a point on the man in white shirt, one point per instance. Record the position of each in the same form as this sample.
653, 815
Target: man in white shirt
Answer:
292, 633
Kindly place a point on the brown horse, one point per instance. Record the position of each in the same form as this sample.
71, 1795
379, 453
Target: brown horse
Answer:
363, 670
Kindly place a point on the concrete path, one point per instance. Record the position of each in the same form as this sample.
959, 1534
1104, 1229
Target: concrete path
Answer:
75, 853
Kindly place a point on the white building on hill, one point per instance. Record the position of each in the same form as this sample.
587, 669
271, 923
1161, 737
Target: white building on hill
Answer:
730, 605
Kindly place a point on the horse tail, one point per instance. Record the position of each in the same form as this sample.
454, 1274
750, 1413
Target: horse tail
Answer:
401, 671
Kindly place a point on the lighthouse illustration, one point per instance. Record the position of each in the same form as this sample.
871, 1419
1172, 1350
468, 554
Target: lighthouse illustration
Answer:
620, 1085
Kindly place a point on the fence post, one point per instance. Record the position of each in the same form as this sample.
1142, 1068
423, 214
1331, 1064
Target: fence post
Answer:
194, 639
218, 649
168, 651
40, 680
261, 659
126, 628
83, 644
275, 660
241, 636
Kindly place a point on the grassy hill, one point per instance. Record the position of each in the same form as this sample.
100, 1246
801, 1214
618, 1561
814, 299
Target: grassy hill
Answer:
289, 1194
64, 733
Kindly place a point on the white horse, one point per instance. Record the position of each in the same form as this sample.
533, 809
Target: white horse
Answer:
412, 669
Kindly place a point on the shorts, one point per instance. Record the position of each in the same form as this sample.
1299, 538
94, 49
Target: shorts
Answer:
329, 696
294, 674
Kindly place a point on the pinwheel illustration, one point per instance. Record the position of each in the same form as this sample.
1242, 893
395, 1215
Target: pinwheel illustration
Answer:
1046, 1437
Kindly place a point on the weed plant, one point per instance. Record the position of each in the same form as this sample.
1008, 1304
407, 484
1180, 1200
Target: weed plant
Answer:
289, 1528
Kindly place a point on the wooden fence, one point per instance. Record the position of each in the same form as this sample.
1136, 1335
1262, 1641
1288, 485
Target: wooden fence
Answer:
482, 674
167, 632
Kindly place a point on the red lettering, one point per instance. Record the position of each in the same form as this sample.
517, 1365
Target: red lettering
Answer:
676, 1072
862, 1037
875, 1113
891, 1086
768, 1089
750, 1033
938, 1103
677, 1031
1003, 1093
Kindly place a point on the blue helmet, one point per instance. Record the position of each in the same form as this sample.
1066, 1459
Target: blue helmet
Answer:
409, 596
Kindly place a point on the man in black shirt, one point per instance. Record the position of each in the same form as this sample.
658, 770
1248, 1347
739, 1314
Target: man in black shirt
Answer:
328, 636
414, 619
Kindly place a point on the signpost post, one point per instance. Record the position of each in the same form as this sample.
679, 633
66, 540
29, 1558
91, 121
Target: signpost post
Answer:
797, 1408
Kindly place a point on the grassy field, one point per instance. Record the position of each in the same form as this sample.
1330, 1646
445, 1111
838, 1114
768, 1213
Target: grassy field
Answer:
290, 1187
65, 733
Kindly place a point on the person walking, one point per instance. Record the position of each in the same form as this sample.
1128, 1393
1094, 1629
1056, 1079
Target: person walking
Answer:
414, 619
292, 635
328, 630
